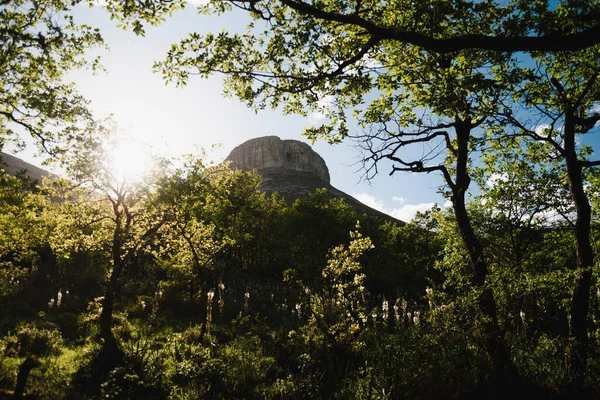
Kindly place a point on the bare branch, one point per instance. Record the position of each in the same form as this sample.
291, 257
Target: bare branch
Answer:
527, 132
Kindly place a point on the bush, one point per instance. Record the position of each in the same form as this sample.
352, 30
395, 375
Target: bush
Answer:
31, 340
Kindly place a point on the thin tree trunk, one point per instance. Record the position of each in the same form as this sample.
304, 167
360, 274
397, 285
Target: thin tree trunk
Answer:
506, 373
25, 368
106, 316
202, 312
578, 332
108, 304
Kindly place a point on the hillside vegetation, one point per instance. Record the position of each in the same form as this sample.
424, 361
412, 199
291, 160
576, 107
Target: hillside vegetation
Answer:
218, 291
187, 282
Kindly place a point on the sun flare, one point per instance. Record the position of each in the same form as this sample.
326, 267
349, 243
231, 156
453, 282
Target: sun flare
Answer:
130, 161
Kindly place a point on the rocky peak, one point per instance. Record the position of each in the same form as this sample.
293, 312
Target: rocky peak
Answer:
290, 168
271, 152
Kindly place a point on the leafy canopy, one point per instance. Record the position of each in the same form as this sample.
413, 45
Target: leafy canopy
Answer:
329, 56
39, 44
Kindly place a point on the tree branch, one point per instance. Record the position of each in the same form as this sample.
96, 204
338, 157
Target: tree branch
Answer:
551, 42
417, 166
33, 131
589, 164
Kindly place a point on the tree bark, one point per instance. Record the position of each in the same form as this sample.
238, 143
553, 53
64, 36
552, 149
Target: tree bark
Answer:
106, 316
506, 373
578, 332
25, 368
202, 311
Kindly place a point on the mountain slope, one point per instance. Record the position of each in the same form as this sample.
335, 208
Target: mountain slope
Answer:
291, 168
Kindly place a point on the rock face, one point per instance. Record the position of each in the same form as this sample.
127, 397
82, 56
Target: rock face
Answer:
272, 152
291, 168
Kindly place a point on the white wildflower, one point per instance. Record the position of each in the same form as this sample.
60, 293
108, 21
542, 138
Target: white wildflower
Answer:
417, 318
385, 309
246, 300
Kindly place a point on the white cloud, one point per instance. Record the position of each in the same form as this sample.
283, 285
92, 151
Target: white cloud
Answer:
399, 199
369, 200
316, 117
371, 63
409, 211
495, 178
404, 213
324, 105
540, 129
551, 217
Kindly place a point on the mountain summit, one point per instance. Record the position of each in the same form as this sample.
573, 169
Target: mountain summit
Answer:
291, 168
272, 152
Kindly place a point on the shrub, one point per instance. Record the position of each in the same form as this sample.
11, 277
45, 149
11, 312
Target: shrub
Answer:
31, 340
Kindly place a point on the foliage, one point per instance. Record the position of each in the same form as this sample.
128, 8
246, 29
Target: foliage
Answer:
179, 273
336, 310
41, 44
31, 340
22, 233
346, 337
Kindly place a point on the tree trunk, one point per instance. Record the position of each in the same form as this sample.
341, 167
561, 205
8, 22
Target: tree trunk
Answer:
202, 313
578, 333
506, 373
25, 368
108, 304
106, 316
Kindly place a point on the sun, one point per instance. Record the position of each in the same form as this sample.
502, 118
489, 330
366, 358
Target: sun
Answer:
130, 161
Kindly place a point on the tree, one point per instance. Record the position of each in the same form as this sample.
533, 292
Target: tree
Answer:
517, 26
560, 96
335, 312
193, 241
104, 212
459, 95
40, 44
527, 226
243, 214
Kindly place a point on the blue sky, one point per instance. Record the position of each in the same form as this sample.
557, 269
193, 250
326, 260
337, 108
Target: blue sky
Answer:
175, 121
